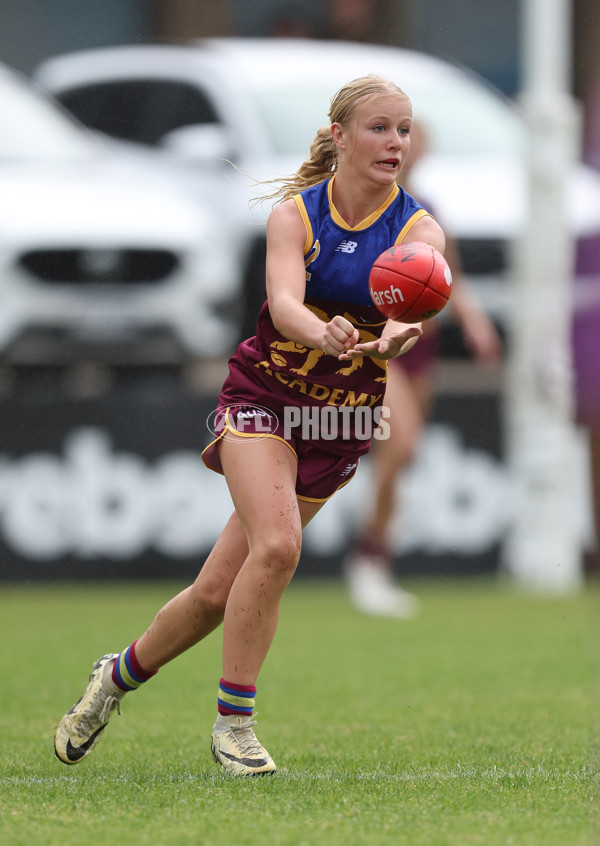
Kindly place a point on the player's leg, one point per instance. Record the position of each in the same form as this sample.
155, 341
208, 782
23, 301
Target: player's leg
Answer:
199, 609
183, 621
234, 745
262, 481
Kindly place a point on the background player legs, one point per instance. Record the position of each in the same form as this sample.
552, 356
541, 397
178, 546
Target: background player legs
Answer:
369, 568
407, 398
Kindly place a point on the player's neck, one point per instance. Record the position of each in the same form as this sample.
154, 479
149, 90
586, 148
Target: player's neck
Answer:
355, 201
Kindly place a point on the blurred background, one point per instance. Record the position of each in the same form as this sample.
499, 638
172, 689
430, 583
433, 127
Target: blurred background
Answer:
131, 264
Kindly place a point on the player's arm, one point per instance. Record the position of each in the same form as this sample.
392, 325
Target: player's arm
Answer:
286, 287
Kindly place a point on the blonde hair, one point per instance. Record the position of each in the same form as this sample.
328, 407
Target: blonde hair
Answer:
322, 159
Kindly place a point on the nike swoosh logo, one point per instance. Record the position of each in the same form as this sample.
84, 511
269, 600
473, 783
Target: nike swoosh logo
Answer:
247, 762
76, 753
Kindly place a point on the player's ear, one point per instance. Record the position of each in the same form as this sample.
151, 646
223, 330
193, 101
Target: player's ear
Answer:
337, 133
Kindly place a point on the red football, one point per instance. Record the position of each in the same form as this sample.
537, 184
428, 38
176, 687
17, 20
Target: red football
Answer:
410, 282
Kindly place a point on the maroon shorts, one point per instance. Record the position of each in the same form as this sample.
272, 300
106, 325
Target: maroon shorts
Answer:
320, 471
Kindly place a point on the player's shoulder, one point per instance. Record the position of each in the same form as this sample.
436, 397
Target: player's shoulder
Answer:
284, 212
286, 220
427, 229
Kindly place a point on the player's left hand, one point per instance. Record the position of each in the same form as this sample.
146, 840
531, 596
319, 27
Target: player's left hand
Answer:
388, 346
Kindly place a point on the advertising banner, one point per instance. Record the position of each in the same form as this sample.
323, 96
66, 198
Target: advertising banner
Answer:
112, 485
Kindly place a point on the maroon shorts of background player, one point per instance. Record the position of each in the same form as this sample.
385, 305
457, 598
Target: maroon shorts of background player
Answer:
320, 472
421, 358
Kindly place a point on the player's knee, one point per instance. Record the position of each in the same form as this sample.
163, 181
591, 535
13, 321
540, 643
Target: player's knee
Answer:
279, 551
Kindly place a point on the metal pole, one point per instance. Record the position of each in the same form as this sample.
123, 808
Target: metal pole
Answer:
542, 549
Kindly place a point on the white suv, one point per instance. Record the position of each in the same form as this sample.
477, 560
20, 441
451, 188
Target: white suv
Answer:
258, 102
99, 255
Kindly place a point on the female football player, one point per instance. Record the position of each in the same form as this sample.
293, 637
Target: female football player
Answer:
285, 434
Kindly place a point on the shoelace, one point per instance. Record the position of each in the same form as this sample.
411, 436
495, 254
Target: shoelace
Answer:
97, 714
247, 740
111, 703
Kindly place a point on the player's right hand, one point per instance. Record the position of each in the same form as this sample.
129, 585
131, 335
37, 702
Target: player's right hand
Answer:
339, 335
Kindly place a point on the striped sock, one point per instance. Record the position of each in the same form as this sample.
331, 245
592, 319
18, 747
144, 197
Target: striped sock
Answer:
127, 673
236, 698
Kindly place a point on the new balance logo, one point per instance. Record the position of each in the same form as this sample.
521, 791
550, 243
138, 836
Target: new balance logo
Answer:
346, 246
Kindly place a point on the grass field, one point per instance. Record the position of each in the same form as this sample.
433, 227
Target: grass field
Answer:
476, 723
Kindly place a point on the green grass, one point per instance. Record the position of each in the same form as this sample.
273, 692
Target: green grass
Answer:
476, 723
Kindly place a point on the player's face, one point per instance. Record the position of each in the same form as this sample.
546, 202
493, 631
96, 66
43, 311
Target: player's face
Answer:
378, 139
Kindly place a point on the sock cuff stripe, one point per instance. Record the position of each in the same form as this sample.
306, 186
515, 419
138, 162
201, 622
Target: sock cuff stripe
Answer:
234, 708
124, 683
237, 689
127, 672
126, 659
237, 694
136, 668
235, 698
122, 675
238, 701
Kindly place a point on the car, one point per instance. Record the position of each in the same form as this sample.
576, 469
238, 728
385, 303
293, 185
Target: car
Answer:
257, 103
99, 255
